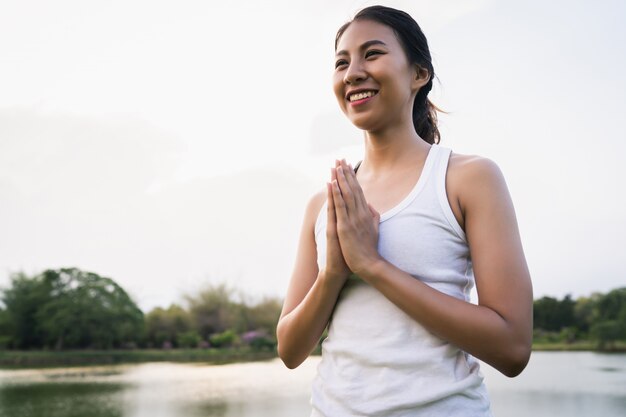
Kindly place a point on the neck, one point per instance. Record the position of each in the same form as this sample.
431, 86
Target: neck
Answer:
391, 148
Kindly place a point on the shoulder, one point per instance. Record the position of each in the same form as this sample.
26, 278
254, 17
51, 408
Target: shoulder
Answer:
471, 168
474, 180
313, 207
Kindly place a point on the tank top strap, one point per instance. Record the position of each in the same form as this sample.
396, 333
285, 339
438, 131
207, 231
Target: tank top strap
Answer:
441, 170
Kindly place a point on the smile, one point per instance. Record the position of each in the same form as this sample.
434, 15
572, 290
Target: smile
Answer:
362, 95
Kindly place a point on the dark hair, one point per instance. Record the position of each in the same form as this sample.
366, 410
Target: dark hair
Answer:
415, 46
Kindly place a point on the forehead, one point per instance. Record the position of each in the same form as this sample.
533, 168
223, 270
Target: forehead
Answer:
361, 31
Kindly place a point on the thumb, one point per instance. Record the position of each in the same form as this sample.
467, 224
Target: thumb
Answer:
375, 214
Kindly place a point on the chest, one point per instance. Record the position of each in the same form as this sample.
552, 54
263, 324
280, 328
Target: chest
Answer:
386, 193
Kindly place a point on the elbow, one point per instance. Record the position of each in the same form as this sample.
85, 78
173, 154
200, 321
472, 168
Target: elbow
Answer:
284, 353
289, 361
516, 361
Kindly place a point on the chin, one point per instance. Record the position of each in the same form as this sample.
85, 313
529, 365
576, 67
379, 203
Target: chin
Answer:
365, 124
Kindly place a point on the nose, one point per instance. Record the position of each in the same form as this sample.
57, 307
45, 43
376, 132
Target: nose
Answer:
355, 73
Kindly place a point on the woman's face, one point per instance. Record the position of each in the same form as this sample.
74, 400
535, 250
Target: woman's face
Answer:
374, 83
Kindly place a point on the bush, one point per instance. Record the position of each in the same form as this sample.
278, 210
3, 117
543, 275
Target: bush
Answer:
258, 340
224, 339
607, 332
188, 339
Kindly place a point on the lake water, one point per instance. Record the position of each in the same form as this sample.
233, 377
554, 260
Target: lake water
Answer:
568, 384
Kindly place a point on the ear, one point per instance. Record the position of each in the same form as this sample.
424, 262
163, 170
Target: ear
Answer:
420, 77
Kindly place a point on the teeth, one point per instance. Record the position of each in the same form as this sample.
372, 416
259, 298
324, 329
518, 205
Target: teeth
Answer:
360, 96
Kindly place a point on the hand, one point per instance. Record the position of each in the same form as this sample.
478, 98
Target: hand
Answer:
357, 221
336, 267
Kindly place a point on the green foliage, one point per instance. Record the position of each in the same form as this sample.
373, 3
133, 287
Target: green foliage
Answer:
586, 312
607, 332
601, 317
263, 343
165, 325
552, 314
70, 308
5, 329
225, 339
213, 310
612, 306
264, 315
22, 301
189, 339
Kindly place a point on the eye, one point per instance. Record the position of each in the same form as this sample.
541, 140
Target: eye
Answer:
372, 52
340, 63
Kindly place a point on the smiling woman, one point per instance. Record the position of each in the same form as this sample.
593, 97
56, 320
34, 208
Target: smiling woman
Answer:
414, 49
390, 250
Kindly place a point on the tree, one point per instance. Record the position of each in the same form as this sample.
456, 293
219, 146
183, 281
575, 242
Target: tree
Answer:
22, 301
586, 312
70, 308
265, 314
612, 305
5, 329
553, 315
213, 310
610, 325
166, 325
607, 332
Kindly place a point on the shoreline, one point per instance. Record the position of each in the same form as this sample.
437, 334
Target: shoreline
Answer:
40, 359
36, 359
582, 346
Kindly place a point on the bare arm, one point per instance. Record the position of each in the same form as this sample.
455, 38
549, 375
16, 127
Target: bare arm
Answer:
499, 329
312, 294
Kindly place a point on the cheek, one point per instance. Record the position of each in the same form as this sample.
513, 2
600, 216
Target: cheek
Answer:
338, 90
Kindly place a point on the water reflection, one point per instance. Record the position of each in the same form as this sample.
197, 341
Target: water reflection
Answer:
209, 409
562, 383
61, 400
550, 404
159, 389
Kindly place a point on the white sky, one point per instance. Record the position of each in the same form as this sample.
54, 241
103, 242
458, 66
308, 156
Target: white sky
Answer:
171, 144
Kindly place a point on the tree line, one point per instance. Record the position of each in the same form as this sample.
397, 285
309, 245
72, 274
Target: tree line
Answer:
72, 309
600, 318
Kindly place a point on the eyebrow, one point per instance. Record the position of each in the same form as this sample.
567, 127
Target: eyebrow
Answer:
364, 46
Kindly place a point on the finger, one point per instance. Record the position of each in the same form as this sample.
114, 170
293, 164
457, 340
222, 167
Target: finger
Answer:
331, 221
357, 191
375, 217
340, 206
375, 214
346, 190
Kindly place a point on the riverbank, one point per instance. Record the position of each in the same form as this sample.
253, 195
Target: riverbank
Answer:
579, 346
13, 359
17, 359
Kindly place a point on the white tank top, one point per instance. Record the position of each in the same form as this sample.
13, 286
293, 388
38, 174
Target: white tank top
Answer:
376, 360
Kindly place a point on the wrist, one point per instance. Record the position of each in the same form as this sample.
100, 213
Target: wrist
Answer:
371, 270
332, 281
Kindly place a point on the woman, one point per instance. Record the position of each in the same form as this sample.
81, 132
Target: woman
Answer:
389, 251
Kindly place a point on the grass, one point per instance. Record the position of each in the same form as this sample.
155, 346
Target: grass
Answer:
20, 359
584, 345
14, 359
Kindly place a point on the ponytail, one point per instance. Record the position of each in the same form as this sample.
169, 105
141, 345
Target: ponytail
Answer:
425, 115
